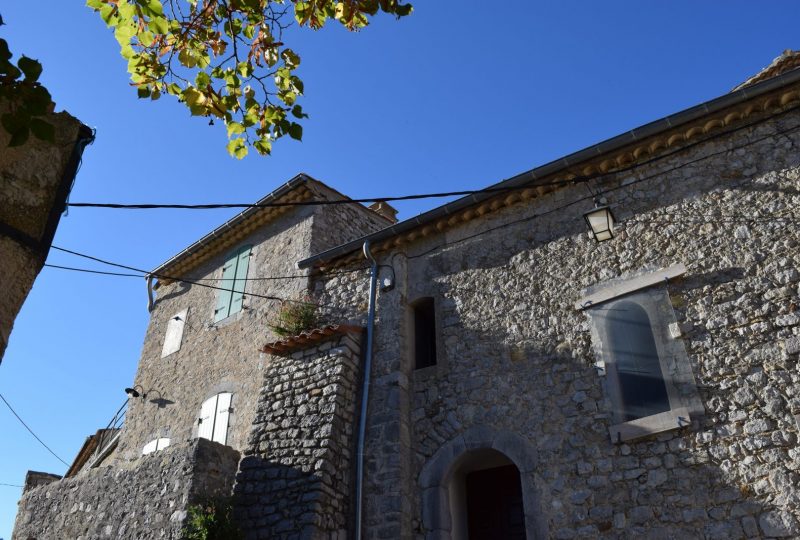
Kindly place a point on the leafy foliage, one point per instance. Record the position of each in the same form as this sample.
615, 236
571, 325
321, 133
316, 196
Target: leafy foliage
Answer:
295, 317
27, 99
226, 59
212, 520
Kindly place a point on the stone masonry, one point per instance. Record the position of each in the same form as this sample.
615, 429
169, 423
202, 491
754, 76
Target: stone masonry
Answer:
148, 500
515, 356
35, 179
295, 478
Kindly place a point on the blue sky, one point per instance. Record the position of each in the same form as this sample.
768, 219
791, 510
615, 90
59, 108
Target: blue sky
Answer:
457, 96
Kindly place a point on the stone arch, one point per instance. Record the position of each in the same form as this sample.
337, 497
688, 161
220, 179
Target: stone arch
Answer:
437, 475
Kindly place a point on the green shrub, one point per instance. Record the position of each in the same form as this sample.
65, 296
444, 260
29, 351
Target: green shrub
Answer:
295, 317
212, 520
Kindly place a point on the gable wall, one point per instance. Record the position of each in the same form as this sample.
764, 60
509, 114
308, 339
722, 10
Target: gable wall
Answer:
516, 357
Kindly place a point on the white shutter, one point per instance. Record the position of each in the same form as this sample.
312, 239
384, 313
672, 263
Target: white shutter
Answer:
162, 443
207, 416
221, 422
150, 447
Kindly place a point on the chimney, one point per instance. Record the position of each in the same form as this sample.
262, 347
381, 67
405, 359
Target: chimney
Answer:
384, 209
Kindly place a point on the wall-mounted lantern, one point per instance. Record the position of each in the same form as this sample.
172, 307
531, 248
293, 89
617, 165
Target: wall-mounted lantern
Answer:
601, 222
133, 393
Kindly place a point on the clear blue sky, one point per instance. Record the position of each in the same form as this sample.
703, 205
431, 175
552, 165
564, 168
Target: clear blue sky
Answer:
457, 96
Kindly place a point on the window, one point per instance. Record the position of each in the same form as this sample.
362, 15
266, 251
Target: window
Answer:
155, 445
214, 416
424, 333
633, 353
232, 284
648, 378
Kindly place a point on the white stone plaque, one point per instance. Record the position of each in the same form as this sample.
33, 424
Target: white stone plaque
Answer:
172, 341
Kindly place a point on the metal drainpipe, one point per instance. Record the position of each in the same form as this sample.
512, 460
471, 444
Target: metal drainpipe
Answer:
362, 420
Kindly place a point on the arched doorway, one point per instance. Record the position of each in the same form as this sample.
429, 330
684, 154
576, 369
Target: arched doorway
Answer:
481, 485
486, 501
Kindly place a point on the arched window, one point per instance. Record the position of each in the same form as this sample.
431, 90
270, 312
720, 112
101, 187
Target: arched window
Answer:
214, 416
635, 363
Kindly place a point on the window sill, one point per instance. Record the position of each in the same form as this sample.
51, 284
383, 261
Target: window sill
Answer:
650, 425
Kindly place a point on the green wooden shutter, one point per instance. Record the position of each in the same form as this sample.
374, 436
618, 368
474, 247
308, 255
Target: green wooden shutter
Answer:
240, 280
226, 285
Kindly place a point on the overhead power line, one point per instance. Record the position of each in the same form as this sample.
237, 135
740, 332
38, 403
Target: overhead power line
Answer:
179, 279
10, 408
460, 193
11, 485
215, 206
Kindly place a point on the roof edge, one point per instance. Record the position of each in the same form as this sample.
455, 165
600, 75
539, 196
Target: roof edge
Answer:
529, 177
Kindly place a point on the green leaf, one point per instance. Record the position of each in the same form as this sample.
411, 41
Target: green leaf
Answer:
107, 13
94, 4
245, 69
143, 92
202, 80
146, 38
237, 148
297, 112
31, 68
43, 130
291, 59
296, 131
186, 58
159, 25
235, 128
263, 146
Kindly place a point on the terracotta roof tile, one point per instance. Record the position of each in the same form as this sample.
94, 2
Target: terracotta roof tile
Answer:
309, 339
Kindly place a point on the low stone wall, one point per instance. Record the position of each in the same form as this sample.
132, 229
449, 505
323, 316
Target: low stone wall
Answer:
148, 500
295, 479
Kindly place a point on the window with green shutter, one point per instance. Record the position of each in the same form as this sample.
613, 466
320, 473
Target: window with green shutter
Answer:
232, 284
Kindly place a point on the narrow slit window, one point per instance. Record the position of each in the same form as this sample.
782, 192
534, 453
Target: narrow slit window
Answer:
634, 355
424, 333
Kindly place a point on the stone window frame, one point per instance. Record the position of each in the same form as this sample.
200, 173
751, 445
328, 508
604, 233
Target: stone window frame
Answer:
441, 359
649, 291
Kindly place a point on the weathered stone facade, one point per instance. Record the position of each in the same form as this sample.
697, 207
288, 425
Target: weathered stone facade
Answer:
148, 500
515, 356
35, 179
224, 356
295, 481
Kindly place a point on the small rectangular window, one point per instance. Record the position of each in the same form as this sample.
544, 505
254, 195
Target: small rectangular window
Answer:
424, 333
232, 284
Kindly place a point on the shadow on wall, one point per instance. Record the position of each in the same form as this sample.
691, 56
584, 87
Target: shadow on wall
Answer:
542, 406
278, 501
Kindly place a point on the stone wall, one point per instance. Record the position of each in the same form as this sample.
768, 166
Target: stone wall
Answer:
34, 181
295, 478
223, 356
514, 353
147, 500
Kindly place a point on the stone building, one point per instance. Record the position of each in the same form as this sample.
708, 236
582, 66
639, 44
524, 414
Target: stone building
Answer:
527, 378
35, 180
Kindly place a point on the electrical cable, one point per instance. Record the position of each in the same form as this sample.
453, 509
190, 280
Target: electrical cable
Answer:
11, 485
88, 271
462, 193
31, 431
182, 280
609, 190
267, 278
216, 206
